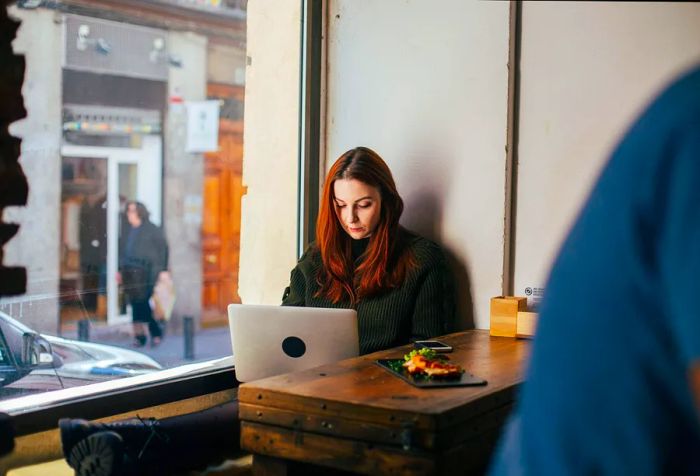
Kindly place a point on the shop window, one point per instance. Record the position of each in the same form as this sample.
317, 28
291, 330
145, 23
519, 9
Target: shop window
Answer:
125, 109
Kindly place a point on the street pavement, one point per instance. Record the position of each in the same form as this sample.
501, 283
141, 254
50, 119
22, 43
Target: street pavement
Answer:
208, 344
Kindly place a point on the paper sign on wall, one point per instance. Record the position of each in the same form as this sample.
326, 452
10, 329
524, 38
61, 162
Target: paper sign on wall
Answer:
192, 209
534, 297
202, 126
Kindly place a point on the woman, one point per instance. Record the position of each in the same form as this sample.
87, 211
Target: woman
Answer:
363, 259
144, 255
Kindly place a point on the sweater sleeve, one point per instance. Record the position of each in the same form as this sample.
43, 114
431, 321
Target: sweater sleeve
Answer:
294, 294
435, 302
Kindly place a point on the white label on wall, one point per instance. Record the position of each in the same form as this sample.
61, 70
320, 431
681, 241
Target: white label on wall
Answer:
192, 209
534, 296
202, 126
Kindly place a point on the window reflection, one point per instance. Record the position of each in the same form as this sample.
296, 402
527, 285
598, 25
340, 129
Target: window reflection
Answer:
109, 97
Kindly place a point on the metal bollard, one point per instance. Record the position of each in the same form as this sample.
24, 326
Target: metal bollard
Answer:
84, 330
188, 332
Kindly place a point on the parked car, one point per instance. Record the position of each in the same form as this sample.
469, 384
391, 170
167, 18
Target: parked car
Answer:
31, 362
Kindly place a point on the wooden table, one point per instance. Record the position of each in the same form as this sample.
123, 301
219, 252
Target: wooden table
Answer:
356, 417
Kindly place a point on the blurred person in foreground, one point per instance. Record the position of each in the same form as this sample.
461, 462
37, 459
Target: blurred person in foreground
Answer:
613, 383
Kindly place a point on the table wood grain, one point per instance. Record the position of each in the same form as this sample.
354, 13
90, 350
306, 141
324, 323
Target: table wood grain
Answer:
356, 416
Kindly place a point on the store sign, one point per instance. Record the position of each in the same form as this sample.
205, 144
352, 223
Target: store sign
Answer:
196, 3
202, 126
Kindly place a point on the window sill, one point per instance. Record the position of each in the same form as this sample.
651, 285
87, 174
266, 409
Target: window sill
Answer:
40, 412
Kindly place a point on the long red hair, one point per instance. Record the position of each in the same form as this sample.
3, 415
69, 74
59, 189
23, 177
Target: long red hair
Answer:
386, 260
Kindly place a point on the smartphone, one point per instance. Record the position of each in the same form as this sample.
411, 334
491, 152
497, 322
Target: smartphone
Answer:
435, 345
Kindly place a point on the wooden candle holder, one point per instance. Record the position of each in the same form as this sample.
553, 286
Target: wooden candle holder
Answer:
526, 325
504, 315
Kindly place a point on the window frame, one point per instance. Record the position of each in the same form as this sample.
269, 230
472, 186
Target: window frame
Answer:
310, 121
108, 403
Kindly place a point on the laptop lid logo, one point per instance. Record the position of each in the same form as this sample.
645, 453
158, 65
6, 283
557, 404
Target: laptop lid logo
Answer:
293, 346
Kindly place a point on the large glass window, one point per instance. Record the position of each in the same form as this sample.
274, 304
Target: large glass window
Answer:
133, 150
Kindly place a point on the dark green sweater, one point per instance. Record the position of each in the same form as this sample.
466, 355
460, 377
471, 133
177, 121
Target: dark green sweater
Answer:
421, 308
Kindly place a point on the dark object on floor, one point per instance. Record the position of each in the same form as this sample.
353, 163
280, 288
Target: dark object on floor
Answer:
100, 454
150, 446
7, 434
92, 450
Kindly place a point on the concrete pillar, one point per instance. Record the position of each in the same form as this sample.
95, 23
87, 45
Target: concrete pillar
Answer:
271, 149
184, 176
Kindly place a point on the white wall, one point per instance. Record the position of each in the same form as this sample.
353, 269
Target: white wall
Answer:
587, 69
425, 85
270, 157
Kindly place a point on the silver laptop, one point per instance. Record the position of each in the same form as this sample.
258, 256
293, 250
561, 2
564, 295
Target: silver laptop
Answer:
273, 340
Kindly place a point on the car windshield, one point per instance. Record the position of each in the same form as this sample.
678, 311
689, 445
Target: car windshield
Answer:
69, 352
15, 325
71, 363
13, 331
4, 354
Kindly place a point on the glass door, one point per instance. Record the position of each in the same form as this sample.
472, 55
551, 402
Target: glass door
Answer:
124, 174
83, 244
126, 185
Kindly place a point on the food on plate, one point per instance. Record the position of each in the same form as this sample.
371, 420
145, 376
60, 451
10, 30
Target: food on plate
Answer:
427, 362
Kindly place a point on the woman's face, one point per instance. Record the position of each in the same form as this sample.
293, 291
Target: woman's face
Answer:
132, 215
358, 206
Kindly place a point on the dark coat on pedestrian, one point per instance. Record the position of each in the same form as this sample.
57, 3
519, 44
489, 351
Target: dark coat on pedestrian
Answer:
142, 258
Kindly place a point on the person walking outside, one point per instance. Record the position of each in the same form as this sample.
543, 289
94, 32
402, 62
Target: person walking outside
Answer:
143, 256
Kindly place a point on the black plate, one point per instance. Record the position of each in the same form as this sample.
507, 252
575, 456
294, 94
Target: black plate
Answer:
465, 380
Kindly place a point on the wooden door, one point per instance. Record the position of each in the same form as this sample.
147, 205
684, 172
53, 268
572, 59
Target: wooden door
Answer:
221, 225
